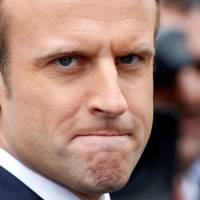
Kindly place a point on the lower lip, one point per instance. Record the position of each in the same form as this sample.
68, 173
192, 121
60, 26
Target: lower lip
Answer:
104, 144
101, 139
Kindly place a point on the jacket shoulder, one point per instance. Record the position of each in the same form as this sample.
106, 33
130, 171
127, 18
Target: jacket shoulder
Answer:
12, 188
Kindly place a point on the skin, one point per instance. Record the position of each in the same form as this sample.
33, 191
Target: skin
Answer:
83, 125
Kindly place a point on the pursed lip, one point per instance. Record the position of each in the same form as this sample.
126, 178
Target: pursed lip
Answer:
103, 133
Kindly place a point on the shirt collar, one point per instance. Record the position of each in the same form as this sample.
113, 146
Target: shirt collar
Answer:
47, 189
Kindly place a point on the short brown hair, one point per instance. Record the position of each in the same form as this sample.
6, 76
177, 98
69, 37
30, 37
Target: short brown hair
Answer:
3, 43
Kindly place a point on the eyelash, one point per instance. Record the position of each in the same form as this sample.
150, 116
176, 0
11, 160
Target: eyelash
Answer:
80, 61
71, 58
134, 58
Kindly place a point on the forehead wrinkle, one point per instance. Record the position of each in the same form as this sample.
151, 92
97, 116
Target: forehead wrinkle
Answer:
76, 24
45, 11
91, 21
97, 26
106, 12
109, 11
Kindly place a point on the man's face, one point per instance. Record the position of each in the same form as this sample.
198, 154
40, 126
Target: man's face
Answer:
80, 74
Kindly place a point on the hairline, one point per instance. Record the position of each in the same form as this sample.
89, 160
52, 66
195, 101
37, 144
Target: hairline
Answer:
4, 55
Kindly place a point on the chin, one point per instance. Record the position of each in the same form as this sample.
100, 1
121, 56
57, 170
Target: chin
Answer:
110, 175
108, 186
105, 185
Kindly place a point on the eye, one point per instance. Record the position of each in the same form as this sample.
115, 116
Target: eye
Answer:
66, 62
70, 64
128, 59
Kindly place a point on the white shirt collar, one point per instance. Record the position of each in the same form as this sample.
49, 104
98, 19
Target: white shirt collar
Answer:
46, 189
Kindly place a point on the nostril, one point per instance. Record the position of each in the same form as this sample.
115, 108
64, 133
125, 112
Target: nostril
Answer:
98, 110
109, 111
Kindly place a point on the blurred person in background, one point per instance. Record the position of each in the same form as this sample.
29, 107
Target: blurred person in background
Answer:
175, 13
184, 15
171, 58
177, 92
188, 96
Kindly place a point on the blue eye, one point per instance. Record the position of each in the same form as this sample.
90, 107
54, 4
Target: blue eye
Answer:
66, 61
128, 59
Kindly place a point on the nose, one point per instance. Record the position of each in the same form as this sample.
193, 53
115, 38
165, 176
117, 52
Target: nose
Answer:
107, 97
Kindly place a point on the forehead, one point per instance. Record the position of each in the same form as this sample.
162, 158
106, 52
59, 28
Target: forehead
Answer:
53, 17
111, 10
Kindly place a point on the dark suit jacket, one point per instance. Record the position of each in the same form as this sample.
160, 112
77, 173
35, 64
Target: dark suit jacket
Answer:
12, 188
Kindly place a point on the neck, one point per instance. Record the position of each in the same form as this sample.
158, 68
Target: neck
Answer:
85, 197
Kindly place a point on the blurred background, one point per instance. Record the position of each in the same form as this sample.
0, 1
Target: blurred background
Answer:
170, 166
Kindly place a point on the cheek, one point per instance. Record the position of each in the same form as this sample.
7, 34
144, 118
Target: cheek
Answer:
23, 128
61, 107
36, 111
140, 101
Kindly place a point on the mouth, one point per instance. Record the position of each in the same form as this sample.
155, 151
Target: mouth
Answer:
104, 140
103, 133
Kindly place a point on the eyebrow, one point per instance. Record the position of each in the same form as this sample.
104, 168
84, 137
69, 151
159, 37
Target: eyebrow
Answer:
59, 52
142, 49
53, 53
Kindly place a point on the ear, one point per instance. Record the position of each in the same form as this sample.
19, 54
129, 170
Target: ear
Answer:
2, 99
2, 89
4, 85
